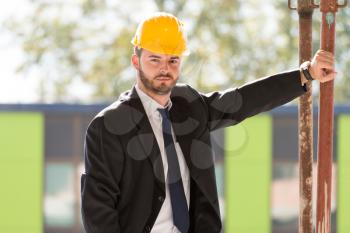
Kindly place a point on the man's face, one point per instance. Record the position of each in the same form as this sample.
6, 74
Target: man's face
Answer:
158, 73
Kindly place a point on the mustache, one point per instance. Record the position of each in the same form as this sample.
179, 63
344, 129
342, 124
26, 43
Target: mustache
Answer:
164, 75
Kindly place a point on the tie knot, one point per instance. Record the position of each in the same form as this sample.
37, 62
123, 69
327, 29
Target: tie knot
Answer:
164, 112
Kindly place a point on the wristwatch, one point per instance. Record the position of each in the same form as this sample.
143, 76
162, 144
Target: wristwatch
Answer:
304, 67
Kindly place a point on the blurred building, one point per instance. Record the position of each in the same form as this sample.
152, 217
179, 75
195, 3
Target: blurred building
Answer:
41, 160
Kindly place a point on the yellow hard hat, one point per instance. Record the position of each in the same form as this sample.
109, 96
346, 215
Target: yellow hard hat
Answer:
161, 33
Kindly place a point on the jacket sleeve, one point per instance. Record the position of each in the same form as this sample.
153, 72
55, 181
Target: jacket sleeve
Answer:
232, 106
99, 184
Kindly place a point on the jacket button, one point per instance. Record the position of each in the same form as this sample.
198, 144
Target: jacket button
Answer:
161, 198
148, 228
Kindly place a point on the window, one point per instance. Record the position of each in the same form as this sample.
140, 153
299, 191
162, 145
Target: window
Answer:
59, 201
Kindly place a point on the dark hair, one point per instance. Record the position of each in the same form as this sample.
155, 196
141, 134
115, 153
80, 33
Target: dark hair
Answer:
138, 51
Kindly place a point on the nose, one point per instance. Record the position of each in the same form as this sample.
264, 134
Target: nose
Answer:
164, 68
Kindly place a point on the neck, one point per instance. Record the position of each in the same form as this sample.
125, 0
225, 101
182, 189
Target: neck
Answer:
160, 99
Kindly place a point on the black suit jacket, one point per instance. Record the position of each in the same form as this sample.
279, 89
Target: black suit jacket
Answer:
123, 186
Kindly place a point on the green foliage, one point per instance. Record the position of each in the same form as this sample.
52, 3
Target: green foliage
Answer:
231, 42
342, 84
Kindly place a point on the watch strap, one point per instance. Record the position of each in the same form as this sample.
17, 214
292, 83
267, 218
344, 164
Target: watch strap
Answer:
305, 69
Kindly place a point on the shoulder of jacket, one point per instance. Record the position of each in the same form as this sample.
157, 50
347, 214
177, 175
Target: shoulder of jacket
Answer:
117, 117
182, 90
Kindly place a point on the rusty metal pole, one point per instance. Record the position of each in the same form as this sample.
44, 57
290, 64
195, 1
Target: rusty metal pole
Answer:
305, 10
325, 122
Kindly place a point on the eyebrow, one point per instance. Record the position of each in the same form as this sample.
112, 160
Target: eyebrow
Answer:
155, 56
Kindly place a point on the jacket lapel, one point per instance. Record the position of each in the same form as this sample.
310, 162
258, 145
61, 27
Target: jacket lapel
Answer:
147, 138
183, 125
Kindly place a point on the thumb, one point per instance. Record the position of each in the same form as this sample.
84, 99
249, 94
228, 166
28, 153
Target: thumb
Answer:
328, 77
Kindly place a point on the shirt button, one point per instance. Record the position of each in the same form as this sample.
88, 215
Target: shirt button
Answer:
161, 198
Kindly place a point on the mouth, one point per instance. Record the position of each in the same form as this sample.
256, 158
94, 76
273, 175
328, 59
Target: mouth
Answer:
163, 78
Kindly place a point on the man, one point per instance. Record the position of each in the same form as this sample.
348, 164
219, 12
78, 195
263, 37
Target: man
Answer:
148, 160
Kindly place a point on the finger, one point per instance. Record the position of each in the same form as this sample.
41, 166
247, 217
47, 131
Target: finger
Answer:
324, 58
326, 72
320, 66
328, 77
325, 53
326, 65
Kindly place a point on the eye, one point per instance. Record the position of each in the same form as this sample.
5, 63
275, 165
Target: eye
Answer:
174, 61
155, 60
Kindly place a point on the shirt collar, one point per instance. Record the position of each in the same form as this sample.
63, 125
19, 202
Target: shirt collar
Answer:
149, 103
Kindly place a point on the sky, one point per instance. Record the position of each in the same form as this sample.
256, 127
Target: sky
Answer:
20, 88
23, 88
14, 88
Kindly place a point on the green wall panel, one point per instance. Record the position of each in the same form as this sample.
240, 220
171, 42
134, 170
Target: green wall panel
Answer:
21, 172
248, 155
343, 199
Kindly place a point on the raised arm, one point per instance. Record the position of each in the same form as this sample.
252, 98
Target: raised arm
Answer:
229, 107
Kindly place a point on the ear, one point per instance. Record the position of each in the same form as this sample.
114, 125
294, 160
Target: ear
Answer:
135, 61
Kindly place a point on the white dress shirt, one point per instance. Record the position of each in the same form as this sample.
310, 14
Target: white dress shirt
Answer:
164, 222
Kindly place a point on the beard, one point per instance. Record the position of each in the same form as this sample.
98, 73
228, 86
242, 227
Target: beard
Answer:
151, 83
